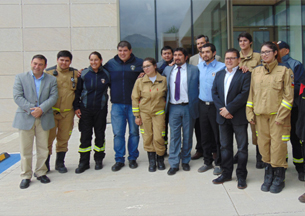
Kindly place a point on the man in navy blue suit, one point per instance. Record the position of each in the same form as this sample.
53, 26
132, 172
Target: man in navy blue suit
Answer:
230, 93
182, 103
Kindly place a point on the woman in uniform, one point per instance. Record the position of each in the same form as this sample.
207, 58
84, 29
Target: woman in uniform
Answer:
148, 104
268, 107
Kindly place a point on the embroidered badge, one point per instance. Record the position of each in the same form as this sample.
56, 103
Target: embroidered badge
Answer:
103, 81
132, 67
213, 74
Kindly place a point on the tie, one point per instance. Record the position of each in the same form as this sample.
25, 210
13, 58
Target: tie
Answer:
177, 85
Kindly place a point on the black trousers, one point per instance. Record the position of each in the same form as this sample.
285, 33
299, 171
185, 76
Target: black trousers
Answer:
226, 141
298, 159
92, 119
209, 133
198, 136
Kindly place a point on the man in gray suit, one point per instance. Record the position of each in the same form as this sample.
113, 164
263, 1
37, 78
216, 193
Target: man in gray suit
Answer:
35, 93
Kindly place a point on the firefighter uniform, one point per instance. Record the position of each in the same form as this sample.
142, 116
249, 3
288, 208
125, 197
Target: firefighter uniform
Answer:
270, 101
148, 103
63, 109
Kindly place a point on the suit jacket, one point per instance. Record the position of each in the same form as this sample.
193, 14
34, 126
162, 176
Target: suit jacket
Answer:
237, 96
24, 92
192, 85
195, 59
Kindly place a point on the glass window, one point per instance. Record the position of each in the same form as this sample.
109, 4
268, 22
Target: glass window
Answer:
137, 26
210, 19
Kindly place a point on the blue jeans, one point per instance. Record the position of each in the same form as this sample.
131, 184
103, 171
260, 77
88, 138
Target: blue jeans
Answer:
120, 115
179, 117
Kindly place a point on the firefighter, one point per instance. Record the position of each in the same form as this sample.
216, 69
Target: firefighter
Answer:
148, 106
63, 109
269, 108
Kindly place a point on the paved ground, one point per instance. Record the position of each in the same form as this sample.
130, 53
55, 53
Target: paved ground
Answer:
138, 192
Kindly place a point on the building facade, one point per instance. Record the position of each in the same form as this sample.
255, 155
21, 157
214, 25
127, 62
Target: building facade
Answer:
29, 27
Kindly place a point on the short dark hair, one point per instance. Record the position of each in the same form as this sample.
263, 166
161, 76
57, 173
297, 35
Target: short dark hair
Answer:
97, 54
64, 53
151, 60
203, 36
39, 56
182, 50
213, 48
124, 44
246, 35
233, 50
167, 48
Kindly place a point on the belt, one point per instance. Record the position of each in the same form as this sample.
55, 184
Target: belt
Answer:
183, 104
207, 103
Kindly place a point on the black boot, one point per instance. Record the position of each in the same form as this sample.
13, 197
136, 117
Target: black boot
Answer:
268, 178
47, 163
160, 162
60, 162
259, 163
152, 161
279, 180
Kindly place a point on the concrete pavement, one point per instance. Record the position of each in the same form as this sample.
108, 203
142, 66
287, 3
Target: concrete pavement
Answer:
138, 192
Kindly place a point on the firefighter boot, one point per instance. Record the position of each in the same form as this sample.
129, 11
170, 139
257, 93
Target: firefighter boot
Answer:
60, 162
279, 180
152, 161
47, 163
160, 162
268, 178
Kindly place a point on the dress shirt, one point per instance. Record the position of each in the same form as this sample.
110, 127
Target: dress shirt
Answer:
37, 86
183, 85
227, 81
206, 78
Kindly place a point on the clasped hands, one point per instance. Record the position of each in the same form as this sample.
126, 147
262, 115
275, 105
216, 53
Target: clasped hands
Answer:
225, 113
37, 112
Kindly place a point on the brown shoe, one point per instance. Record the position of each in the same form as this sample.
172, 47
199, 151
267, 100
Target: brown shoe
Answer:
197, 155
302, 198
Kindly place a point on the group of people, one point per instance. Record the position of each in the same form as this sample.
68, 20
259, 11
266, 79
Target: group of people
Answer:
217, 99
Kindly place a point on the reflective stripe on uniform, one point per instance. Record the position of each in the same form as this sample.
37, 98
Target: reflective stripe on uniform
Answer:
286, 104
249, 104
256, 133
142, 131
163, 133
84, 149
58, 110
301, 160
285, 138
160, 112
99, 149
165, 142
70, 132
135, 109
274, 113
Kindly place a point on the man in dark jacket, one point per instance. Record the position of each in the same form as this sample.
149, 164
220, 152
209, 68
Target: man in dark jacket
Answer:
124, 69
298, 72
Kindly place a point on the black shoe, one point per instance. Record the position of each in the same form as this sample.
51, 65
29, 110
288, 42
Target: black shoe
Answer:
186, 167
260, 165
81, 168
279, 180
117, 166
160, 162
43, 179
47, 163
60, 163
133, 164
25, 183
172, 171
301, 176
98, 165
152, 161
268, 178
221, 179
242, 184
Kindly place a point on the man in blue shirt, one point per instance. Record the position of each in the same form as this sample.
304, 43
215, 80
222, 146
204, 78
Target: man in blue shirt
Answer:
298, 71
207, 110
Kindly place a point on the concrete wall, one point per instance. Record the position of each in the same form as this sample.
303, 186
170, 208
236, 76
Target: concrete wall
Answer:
29, 27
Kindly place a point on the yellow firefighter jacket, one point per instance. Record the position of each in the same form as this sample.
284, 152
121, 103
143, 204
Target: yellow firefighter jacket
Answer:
251, 60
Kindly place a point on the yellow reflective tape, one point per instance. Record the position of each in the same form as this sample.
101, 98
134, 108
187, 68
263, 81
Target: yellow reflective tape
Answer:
274, 113
165, 142
135, 109
285, 137
303, 97
70, 132
257, 114
286, 156
249, 104
99, 149
286, 104
58, 110
256, 133
301, 160
142, 131
163, 133
160, 112
84, 149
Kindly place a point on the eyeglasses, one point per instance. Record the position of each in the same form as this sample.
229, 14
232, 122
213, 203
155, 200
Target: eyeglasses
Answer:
144, 67
231, 58
266, 52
